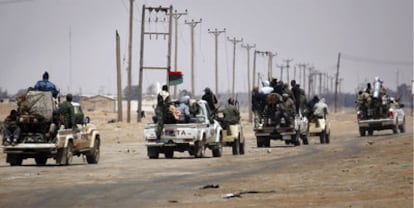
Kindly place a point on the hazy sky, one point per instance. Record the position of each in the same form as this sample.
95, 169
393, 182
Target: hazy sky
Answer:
74, 40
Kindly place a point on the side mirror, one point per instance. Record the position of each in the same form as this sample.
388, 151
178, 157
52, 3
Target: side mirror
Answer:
401, 105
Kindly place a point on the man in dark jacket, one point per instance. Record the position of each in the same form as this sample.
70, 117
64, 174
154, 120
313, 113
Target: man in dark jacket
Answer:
211, 100
46, 85
296, 94
66, 112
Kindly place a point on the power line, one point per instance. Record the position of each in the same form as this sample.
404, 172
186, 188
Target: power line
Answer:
374, 61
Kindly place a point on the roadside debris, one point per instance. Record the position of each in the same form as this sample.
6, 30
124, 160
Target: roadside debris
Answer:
208, 186
239, 194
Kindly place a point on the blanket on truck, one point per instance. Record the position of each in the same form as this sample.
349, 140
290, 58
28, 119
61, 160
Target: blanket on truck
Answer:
38, 103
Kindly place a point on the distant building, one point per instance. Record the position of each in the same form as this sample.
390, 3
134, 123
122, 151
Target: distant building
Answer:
98, 103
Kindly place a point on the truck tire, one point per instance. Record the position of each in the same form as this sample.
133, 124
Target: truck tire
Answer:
218, 150
361, 131
260, 141
241, 146
267, 141
14, 160
328, 135
41, 160
93, 156
296, 138
169, 154
322, 137
235, 146
304, 138
370, 132
67, 155
199, 149
395, 129
152, 153
402, 126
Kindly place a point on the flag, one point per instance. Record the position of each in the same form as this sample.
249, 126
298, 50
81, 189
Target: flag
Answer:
175, 77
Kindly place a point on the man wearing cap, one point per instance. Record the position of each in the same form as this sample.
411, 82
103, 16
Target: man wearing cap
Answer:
46, 85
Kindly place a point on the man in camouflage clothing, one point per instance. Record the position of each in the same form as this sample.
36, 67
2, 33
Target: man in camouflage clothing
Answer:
231, 114
66, 112
163, 102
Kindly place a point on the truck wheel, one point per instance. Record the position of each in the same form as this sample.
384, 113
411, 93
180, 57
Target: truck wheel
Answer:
394, 129
169, 154
267, 142
260, 141
295, 138
93, 156
322, 137
218, 150
235, 146
199, 149
370, 132
402, 127
14, 160
241, 146
152, 153
328, 135
67, 154
361, 131
304, 138
41, 161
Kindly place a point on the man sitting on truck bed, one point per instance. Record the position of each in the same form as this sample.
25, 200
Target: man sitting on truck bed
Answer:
11, 131
66, 113
231, 114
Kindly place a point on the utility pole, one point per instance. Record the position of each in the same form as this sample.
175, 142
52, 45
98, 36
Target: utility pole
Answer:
254, 68
192, 25
167, 11
131, 16
249, 90
281, 67
176, 16
337, 80
287, 69
118, 76
310, 82
216, 33
271, 55
234, 41
302, 66
320, 83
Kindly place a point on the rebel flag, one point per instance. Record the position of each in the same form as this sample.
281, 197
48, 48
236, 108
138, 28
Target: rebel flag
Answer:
175, 77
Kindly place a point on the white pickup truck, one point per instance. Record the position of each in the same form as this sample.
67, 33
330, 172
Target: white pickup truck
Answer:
202, 132
394, 120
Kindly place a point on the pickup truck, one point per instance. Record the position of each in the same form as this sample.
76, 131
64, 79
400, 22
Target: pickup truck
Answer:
394, 120
200, 133
234, 138
265, 130
85, 140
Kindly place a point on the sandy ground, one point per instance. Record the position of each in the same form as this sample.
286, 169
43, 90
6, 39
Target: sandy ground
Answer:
351, 171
